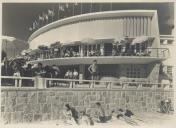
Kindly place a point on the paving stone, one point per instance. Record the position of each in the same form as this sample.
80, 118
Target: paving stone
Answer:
7, 117
46, 117
22, 100
37, 117
12, 93
23, 93
41, 97
68, 93
3, 100
46, 108
32, 98
19, 107
28, 117
17, 117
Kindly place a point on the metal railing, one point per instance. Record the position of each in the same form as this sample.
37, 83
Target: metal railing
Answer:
44, 83
148, 52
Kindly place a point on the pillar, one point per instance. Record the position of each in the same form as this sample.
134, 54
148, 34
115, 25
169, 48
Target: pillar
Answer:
81, 72
81, 50
102, 49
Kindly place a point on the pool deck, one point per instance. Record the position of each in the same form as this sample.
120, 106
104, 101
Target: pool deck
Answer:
151, 120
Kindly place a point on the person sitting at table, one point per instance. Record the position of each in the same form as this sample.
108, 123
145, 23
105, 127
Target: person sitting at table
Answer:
67, 53
67, 74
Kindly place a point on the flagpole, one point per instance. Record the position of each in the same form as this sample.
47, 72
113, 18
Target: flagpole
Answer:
111, 7
73, 9
91, 6
100, 7
81, 7
52, 15
58, 12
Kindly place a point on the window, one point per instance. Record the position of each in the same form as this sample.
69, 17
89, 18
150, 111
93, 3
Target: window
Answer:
134, 71
169, 70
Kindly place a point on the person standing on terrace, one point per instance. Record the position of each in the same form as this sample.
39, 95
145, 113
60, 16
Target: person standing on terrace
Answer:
39, 71
93, 69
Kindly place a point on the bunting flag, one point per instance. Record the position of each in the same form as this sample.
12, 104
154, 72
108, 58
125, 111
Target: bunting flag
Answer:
50, 12
74, 5
61, 8
45, 16
41, 18
35, 25
91, 7
67, 5
30, 29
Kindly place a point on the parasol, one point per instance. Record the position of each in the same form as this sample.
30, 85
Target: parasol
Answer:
118, 41
139, 40
88, 41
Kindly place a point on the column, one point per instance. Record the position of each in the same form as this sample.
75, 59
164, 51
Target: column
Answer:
102, 49
81, 72
81, 50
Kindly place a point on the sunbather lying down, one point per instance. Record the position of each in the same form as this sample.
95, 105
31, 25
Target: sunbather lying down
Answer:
129, 117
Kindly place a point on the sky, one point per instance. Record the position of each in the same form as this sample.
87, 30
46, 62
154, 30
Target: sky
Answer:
17, 18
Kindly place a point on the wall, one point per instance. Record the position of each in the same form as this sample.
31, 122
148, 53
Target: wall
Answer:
32, 105
153, 72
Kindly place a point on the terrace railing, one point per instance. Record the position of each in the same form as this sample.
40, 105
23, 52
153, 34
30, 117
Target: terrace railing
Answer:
45, 83
148, 52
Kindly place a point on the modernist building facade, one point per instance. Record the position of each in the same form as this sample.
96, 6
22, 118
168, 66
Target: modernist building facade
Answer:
126, 44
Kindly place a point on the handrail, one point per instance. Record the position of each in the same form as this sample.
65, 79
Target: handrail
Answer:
73, 83
147, 52
15, 77
167, 37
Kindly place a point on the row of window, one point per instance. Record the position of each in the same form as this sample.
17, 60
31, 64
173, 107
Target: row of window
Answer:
135, 71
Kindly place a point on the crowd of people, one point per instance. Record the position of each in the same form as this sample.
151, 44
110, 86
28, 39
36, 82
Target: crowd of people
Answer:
18, 69
29, 70
124, 47
71, 116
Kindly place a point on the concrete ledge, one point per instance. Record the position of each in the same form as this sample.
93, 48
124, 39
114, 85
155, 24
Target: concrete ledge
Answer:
82, 89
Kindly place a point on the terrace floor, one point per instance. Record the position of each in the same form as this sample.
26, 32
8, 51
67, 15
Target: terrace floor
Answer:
151, 120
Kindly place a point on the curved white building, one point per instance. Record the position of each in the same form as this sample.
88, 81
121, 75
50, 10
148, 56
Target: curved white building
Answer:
99, 31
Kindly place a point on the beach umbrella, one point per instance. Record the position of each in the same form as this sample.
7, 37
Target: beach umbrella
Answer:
118, 41
139, 40
24, 52
88, 41
56, 44
42, 47
33, 52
